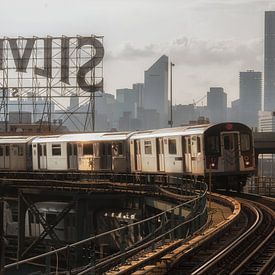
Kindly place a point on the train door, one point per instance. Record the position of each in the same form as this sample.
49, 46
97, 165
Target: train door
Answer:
106, 156
160, 155
183, 148
194, 154
72, 155
14, 155
187, 154
4, 156
137, 155
42, 156
230, 151
7, 156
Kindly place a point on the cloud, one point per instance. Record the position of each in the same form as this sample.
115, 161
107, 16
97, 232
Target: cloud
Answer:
129, 51
196, 52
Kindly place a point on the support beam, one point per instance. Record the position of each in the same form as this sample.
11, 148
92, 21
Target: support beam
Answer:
21, 226
51, 227
40, 218
2, 242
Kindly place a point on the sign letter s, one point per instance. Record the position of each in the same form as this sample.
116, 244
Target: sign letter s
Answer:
90, 65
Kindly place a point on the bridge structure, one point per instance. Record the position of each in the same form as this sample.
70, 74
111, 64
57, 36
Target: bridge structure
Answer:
264, 143
168, 208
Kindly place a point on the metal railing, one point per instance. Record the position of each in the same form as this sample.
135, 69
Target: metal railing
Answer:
264, 186
178, 222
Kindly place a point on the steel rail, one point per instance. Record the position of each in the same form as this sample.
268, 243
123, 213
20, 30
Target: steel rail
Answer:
238, 269
207, 265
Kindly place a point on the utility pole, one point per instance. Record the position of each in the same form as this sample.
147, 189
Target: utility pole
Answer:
171, 95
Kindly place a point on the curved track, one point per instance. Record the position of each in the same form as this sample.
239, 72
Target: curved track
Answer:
252, 252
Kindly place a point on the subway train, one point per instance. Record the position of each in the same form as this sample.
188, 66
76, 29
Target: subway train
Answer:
224, 150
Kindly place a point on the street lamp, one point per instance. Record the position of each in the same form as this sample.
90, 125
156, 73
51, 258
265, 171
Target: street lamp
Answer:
171, 96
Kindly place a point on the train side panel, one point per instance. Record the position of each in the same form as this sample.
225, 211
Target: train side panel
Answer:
148, 155
173, 155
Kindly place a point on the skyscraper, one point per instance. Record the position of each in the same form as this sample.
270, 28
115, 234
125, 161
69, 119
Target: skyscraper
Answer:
155, 92
217, 104
250, 97
269, 61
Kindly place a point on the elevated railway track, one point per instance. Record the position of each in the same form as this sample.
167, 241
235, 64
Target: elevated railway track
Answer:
176, 245
243, 246
187, 200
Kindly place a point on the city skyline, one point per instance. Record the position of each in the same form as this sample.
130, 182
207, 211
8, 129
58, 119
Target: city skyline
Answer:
210, 42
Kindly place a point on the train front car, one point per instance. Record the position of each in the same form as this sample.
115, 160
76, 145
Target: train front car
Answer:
229, 155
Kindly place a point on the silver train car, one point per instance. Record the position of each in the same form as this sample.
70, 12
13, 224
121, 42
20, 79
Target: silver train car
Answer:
15, 153
82, 152
224, 150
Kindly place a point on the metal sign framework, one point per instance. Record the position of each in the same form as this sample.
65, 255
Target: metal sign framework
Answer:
53, 78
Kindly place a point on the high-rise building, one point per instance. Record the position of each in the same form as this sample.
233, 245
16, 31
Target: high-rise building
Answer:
155, 92
217, 104
250, 97
269, 61
266, 121
138, 87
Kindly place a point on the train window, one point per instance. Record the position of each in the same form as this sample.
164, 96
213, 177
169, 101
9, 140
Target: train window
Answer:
7, 151
147, 147
88, 149
160, 146
228, 142
213, 144
39, 149
245, 142
106, 149
198, 144
189, 145
1, 151
50, 218
117, 149
15, 150
137, 147
183, 145
20, 150
31, 218
172, 146
56, 149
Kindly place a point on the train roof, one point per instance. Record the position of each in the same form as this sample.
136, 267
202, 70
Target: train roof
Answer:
175, 131
189, 130
84, 137
15, 139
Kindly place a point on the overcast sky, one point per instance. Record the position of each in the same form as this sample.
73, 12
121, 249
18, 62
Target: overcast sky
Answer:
209, 41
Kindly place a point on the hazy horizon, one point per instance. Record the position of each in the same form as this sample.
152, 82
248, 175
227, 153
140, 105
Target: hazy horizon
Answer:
210, 42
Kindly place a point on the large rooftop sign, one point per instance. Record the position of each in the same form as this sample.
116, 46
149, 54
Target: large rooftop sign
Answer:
58, 62
51, 75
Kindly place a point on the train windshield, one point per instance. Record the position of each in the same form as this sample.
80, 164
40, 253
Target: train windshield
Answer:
245, 142
212, 145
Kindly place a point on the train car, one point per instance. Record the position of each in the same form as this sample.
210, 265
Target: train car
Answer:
65, 229
229, 154
15, 153
174, 150
83, 152
225, 150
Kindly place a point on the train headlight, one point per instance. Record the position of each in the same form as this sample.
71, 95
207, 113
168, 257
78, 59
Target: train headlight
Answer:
246, 161
212, 162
